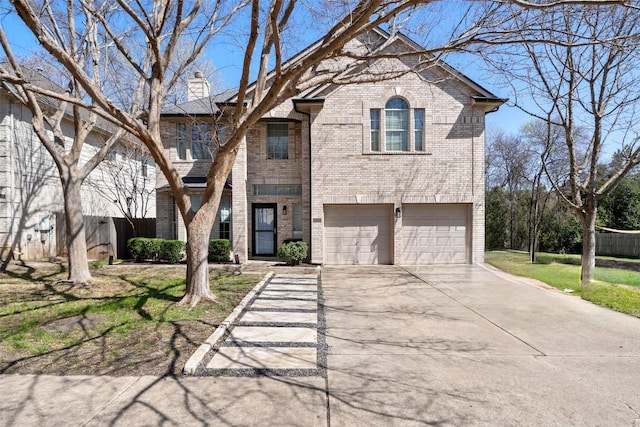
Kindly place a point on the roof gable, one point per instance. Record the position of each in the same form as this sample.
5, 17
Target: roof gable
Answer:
348, 68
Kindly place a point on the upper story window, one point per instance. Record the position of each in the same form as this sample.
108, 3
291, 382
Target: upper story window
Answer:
396, 114
375, 129
196, 141
397, 128
182, 141
201, 137
277, 140
221, 134
418, 129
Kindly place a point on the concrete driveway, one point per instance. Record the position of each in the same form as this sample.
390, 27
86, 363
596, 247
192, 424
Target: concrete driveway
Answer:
455, 345
459, 345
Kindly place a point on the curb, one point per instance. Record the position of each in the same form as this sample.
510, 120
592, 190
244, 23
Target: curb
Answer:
519, 279
217, 336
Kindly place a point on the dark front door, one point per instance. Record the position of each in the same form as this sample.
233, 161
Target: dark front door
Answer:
264, 229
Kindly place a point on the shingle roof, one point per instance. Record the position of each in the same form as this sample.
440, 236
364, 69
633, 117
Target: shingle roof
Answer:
208, 106
203, 106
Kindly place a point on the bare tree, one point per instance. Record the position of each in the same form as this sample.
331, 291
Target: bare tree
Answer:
509, 167
126, 170
147, 35
584, 81
48, 117
544, 140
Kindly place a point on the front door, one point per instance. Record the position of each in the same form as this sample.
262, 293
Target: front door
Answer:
264, 229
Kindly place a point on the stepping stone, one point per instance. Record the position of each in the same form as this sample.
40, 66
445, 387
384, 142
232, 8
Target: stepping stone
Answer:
264, 358
311, 281
279, 317
284, 304
296, 276
273, 334
288, 294
285, 287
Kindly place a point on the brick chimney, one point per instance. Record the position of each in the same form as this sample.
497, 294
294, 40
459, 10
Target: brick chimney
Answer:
197, 87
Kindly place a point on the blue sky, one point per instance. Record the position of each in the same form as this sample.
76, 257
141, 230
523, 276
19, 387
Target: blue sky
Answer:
507, 118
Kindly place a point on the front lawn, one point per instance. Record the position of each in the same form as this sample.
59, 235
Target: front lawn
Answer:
614, 287
125, 322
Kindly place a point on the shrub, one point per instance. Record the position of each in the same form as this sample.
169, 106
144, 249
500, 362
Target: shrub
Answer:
142, 248
171, 250
219, 250
293, 252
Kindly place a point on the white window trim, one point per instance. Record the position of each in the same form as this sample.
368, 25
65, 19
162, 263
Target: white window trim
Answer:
382, 144
266, 143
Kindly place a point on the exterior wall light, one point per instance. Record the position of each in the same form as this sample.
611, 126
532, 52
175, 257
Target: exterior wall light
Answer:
284, 210
398, 213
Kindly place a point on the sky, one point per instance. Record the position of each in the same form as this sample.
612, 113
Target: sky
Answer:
227, 59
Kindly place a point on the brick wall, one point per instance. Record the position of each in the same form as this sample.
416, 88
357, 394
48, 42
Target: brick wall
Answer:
450, 170
344, 170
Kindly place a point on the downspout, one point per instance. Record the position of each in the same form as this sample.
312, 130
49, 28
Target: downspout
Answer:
475, 101
295, 108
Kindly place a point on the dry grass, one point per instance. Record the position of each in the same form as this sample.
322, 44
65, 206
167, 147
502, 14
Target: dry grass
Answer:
125, 322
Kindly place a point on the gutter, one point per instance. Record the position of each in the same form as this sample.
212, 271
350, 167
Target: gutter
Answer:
484, 100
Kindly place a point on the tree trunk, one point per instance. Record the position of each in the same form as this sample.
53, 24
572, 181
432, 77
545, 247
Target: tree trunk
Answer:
588, 247
198, 288
76, 240
199, 228
533, 242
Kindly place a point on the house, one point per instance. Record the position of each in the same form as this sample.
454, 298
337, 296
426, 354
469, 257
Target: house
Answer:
31, 203
375, 172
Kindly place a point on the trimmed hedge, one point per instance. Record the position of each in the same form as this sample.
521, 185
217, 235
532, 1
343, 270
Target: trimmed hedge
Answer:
144, 248
219, 250
151, 249
293, 252
172, 250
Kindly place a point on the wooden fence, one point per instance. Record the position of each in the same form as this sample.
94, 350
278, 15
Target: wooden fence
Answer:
142, 227
107, 236
618, 244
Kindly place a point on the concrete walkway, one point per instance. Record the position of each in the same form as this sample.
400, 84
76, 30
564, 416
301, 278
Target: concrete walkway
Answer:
455, 345
276, 335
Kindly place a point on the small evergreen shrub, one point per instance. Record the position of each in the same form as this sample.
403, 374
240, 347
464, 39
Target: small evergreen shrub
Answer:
172, 250
293, 252
219, 250
142, 248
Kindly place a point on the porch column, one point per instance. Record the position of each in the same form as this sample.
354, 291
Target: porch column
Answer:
239, 212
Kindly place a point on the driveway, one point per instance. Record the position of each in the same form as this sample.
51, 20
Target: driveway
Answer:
459, 345
455, 345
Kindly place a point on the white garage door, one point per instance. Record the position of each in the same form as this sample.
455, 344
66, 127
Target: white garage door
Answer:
435, 234
358, 234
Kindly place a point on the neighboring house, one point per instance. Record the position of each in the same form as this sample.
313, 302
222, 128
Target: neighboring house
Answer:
387, 172
31, 203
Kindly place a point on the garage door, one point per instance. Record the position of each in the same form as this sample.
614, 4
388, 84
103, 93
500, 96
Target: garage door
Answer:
435, 234
358, 234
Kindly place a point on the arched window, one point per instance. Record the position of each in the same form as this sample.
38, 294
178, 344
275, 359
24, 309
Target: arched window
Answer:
396, 125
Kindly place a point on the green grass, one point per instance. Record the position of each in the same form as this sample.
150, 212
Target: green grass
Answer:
125, 322
615, 288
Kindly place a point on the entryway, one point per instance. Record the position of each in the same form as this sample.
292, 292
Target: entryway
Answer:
265, 228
